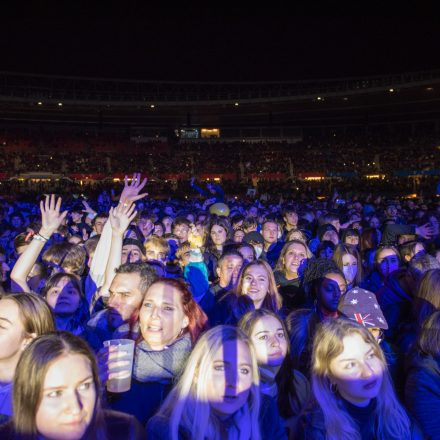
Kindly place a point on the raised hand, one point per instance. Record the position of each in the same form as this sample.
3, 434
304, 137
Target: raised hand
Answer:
87, 208
121, 216
51, 218
131, 191
426, 231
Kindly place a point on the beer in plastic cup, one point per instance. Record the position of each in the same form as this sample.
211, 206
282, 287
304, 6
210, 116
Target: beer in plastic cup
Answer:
122, 382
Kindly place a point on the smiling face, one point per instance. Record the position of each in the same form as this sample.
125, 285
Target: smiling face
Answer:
64, 298
357, 372
269, 341
294, 257
230, 377
68, 399
162, 318
255, 284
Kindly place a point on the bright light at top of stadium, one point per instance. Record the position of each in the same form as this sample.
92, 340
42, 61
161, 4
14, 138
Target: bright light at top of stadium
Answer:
152, 106
236, 104
391, 90
39, 103
60, 104
319, 98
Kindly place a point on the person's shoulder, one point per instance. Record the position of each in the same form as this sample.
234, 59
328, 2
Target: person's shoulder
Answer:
121, 425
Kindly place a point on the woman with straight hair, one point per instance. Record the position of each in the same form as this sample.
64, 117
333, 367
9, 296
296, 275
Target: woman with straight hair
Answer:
386, 262
218, 396
217, 235
348, 260
288, 273
422, 388
256, 289
427, 298
23, 316
56, 395
353, 389
278, 377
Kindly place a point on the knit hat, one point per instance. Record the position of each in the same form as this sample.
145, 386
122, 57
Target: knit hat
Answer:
361, 305
134, 242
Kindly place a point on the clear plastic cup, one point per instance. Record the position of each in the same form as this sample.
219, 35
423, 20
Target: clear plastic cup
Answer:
122, 382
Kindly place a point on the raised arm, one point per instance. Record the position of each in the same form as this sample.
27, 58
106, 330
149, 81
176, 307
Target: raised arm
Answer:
120, 219
51, 219
129, 194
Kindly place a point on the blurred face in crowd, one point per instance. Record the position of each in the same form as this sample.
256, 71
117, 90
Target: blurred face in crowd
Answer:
331, 236
218, 235
64, 298
247, 253
99, 224
388, 262
181, 231
158, 229
229, 270
167, 222
230, 376
4, 268
68, 399
391, 211
76, 216
238, 236
326, 253
162, 318
256, 284
269, 341
337, 224
357, 372
253, 212
130, 254
146, 226
291, 218
352, 239
374, 222
154, 252
332, 287
294, 257
270, 232
125, 298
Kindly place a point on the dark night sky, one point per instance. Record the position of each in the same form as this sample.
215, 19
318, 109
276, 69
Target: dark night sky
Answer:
126, 39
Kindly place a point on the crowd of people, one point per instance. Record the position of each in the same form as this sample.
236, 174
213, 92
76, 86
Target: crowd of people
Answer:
252, 318
363, 154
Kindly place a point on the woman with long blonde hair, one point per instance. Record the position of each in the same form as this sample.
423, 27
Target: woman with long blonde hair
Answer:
218, 394
256, 289
353, 388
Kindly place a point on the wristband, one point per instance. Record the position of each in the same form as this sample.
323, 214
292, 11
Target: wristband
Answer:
39, 237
